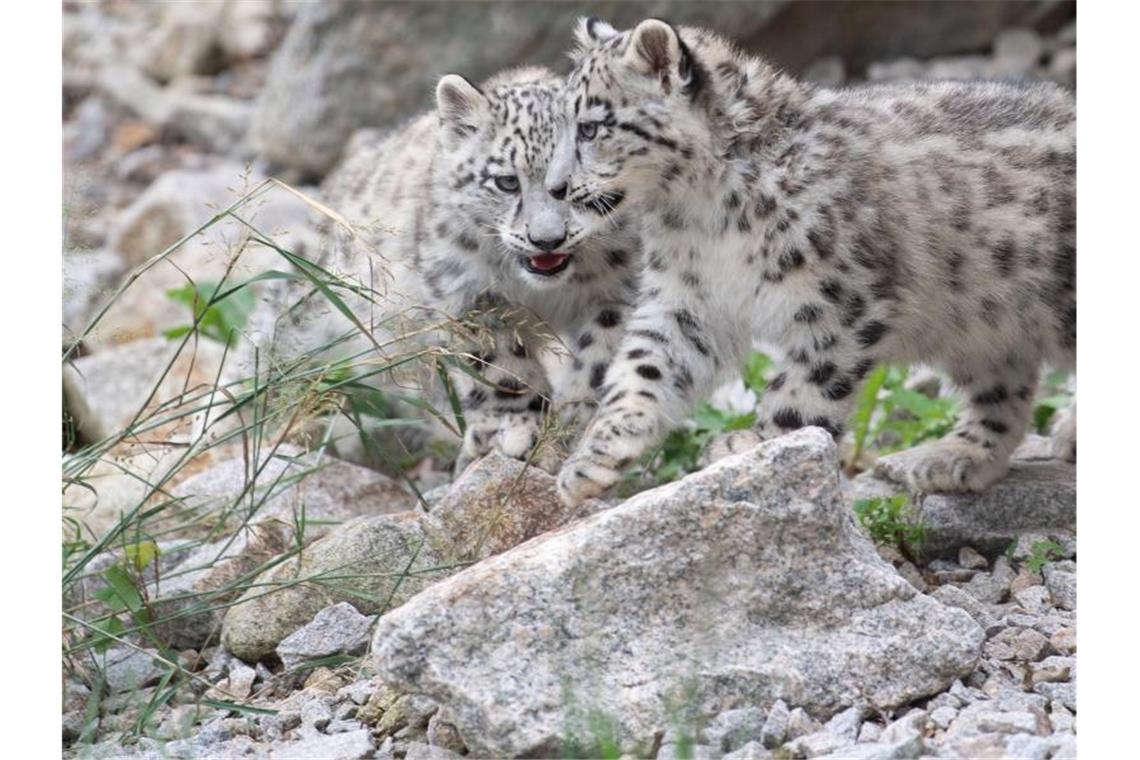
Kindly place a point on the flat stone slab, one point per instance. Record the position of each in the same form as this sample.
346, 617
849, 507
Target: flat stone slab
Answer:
1039, 495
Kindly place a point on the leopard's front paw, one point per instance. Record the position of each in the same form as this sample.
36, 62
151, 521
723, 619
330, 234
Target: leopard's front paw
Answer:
943, 466
727, 444
584, 476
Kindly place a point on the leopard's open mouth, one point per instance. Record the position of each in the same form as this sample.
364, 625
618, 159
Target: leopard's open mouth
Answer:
545, 264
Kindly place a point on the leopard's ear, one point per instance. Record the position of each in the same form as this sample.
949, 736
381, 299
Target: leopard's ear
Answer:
593, 30
656, 50
463, 107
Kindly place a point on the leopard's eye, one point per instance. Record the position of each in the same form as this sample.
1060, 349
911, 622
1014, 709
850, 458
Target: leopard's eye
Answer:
508, 183
587, 130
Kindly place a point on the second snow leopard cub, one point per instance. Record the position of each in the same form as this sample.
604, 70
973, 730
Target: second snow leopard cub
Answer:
451, 220
907, 223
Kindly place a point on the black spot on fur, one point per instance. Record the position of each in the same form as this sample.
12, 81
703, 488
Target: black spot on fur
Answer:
608, 318
828, 425
841, 388
832, 290
649, 372
996, 426
778, 381
808, 313
585, 340
597, 375
821, 373
508, 387
995, 395
788, 419
871, 333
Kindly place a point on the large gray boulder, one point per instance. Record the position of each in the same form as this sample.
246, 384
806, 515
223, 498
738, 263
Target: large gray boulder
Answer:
742, 584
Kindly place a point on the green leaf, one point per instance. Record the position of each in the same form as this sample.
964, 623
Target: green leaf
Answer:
123, 588
141, 554
754, 368
109, 628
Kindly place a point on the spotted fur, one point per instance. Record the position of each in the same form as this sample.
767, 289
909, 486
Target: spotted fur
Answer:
448, 212
906, 223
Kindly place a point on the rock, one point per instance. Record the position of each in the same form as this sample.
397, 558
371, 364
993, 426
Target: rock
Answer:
911, 724
1016, 52
900, 70
816, 744
89, 279
688, 751
1029, 645
962, 67
969, 557
391, 558
987, 588
180, 202
870, 731
826, 72
846, 724
734, 728
127, 669
623, 597
1064, 541
1052, 669
982, 718
442, 733
193, 595
1024, 579
956, 597
496, 503
775, 728
1035, 496
104, 392
1064, 640
1065, 693
422, 751
217, 122
375, 64
409, 711
316, 715
913, 576
350, 745
1062, 585
1061, 718
800, 723
358, 691
338, 629
1034, 599
184, 41
750, 751
1063, 66
942, 716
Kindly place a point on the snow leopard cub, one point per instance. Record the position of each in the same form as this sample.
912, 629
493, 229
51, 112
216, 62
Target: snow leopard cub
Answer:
451, 220
926, 223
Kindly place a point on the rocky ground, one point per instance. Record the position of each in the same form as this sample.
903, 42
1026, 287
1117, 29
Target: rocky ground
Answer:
740, 613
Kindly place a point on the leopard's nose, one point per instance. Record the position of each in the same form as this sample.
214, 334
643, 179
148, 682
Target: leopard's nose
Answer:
558, 192
547, 244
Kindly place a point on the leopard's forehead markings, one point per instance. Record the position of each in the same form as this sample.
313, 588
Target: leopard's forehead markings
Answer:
525, 121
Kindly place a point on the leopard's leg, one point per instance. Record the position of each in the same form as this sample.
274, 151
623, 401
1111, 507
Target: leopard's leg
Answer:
593, 346
998, 398
504, 398
667, 359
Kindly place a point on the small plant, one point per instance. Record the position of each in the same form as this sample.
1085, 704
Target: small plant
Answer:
216, 314
1041, 553
890, 521
890, 416
1059, 397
